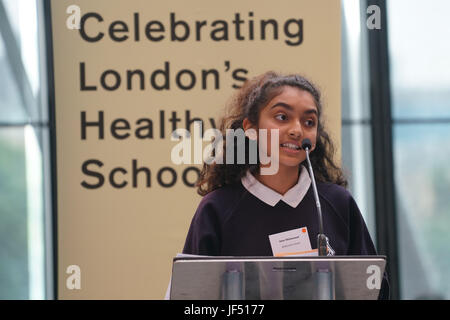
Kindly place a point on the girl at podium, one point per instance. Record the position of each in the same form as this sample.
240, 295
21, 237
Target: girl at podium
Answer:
258, 207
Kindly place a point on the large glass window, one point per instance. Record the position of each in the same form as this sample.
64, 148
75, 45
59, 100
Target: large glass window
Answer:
419, 51
25, 266
356, 121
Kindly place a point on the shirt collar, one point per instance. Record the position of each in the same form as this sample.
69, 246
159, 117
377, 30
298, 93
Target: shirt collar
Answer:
292, 197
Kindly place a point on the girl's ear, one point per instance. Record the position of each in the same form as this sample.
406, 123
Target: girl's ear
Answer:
246, 124
250, 130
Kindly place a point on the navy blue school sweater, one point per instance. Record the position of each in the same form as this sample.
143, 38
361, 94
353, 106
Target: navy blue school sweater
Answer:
230, 221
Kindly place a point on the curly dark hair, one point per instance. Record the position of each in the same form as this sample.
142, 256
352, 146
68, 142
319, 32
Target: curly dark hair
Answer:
247, 103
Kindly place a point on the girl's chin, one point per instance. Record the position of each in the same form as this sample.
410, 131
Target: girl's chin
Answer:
290, 161
286, 164
289, 166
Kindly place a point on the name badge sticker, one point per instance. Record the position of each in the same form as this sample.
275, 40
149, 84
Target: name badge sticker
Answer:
292, 243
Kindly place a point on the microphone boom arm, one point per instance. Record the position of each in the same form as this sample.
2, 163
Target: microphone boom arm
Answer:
322, 239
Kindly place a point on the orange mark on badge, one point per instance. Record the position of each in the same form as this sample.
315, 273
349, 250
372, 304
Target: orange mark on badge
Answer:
303, 230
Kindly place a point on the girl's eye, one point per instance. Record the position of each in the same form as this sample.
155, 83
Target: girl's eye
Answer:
281, 117
310, 123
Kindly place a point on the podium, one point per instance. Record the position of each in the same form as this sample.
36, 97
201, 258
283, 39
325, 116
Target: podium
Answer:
274, 278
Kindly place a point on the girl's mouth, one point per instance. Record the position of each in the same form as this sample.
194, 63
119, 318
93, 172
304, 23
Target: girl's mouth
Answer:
290, 147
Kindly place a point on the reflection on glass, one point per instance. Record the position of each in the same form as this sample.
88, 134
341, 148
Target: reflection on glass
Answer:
22, 274
10, 102
419, 56
423, 186
35, 211
13, 215
421, 91
356, 133
22, 245
19, 62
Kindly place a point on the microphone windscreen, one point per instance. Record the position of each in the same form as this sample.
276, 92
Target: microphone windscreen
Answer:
306, 143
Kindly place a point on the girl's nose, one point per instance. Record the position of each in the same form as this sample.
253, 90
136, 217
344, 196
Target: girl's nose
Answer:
295, 131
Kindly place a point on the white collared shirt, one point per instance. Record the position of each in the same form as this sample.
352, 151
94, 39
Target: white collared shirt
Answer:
292, 197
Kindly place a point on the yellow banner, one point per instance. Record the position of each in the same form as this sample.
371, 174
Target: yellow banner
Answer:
128, 73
